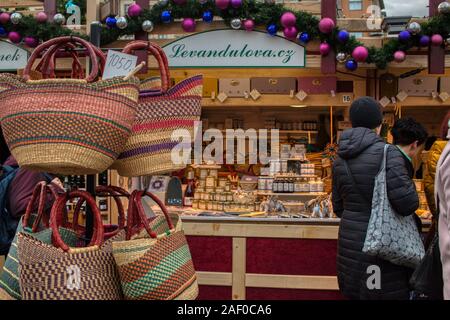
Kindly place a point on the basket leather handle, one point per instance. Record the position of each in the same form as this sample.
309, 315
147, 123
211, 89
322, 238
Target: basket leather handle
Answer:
67, 39
102, 190
58, 209
40, 193
49, 60
138, 216
160, 56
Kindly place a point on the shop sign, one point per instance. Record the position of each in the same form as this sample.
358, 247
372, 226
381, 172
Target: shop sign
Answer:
234, 49
12, 57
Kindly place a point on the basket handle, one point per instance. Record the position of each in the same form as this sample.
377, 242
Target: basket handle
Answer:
49, 59
137, 216
100, 190
58, 209
37, 194
160, 56
62, 40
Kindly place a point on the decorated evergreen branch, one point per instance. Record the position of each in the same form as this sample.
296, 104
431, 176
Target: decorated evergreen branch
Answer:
242, 14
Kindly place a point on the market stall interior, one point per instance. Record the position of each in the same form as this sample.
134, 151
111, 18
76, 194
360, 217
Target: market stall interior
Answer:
256, 230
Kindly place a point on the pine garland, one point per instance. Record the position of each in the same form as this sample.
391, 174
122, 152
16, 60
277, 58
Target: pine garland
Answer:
262, 13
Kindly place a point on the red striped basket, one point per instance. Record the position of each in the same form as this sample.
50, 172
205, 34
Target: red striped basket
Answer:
67, 126
160, 112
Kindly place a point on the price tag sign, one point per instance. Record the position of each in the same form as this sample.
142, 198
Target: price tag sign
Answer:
119, 64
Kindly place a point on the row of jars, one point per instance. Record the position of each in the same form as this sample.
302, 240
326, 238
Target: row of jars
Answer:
213, 195
224, 206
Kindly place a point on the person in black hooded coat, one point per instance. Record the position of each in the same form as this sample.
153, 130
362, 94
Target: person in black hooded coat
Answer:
362, 149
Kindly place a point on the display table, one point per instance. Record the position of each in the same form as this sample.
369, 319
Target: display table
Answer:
264, 258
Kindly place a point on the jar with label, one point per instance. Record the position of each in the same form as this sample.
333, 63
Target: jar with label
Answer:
313, 185
203, 173
275, 186
320, 185
286, 186
220, 206
215, 206
298, 185
206, 196
306, 186
202, 205
210, 182
214, 173
201, 183
212, 196
195, 204
262, 183
227, 207
198, 195
269, 184
230, 196
284, 166
222, 182
228, 187
291, 186
209, 205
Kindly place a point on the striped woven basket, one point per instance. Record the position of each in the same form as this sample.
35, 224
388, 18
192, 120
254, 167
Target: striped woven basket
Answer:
67, 126
70, 273
160, 112
9, 278
158, 267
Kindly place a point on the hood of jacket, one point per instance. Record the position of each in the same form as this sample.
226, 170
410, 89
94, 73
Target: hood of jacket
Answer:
354, 141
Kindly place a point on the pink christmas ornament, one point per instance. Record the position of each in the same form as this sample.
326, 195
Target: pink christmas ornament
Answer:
399, 56
188, 25
14, 37
288, 19
4, 18
326, 25
134, 10
360, 54
41, 17
222, 4
290, 32
437, 40
325, 49
249, 25
31, 42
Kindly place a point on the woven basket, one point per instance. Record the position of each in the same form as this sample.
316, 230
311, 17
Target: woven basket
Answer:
70, 273
9, 278
158, 267
159, 114
67, 126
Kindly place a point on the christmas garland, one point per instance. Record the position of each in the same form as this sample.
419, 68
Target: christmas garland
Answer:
296, 25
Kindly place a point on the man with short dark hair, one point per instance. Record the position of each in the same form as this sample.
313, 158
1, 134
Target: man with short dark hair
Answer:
409, 136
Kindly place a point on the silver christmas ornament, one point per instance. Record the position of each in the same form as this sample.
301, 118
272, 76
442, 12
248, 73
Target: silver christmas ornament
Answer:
59, 18
163, 2
147, 26
16, 17
121, 23
414, 28
444, 7
341, 57
236, 24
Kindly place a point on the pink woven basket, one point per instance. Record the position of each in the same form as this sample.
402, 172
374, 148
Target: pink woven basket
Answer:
148, 151
66, 126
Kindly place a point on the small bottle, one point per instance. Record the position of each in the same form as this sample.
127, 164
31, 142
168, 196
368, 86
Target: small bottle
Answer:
313, 185
320, 185
298, 186
291, 186
306, 186
275, 185
286, 186
190, 190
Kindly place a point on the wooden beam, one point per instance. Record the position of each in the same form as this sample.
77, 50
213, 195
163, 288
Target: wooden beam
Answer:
92, 13
20, 3
142, 35
292, 282
239, 268
328, 64
436, 56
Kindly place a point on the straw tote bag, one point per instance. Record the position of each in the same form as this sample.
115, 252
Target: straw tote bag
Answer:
391, 236
67, 126
36, 225
59, 272
160, 112
157, 266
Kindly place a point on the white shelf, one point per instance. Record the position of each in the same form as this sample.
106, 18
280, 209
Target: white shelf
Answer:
298, 194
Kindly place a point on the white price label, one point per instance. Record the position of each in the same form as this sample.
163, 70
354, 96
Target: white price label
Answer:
119, 64
346, 99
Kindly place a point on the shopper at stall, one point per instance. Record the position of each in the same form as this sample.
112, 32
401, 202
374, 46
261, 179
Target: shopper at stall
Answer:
15, 194
361, 148
442, 194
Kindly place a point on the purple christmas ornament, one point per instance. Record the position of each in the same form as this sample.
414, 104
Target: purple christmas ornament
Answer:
249, 25
4, 18
326, 25
343, 36
437, 40
14, 37
236, 3
188, 25
290, 32
41, 17
325, 49
180, 2
222, 4
31, 42
288, 19
134, 10
424, 41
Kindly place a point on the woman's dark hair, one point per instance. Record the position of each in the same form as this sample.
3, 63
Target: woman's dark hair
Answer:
444, 127
4, 150
407, 130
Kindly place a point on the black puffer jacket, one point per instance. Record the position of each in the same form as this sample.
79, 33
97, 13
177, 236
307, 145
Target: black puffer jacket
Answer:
363, 150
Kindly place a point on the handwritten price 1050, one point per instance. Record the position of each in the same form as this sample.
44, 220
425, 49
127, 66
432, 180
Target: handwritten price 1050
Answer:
120, 63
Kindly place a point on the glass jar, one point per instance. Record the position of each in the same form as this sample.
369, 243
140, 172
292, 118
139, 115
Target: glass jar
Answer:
209, 205
214, 173
262, 183
202, 205
198, 195
215, 206
269, 184
229, 196
220, 206
222, 182
203, 173
195, 204
205, 196
202, 183
210, 182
